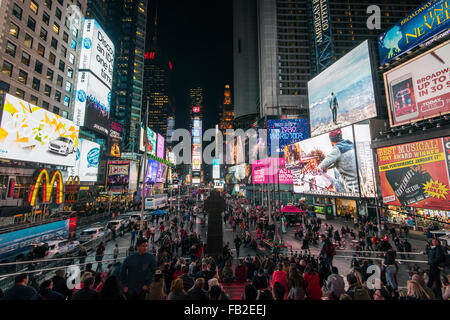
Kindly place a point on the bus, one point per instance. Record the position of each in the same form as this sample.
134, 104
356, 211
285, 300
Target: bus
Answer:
157, 201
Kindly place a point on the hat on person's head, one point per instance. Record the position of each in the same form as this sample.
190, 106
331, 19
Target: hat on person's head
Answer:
335, 135
140, 241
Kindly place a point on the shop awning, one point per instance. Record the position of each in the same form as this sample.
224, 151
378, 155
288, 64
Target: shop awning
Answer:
290, 209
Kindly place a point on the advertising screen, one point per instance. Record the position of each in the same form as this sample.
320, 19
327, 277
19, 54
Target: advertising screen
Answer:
92, 103
416, 174
86, 166
239, 174
325, 165
196, 162
428, 20
115, 131
260, 171
420, 88
30, 133
160, 175
133, 177
97, 52
160, 147
343, 93
287, 132
118, 173
151, 136
152, 171
364, 155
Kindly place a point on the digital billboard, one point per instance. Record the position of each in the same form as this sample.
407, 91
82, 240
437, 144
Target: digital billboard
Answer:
30, 133
162, 170
160, 147
152, 171
196, 162
97, 52
416, 174
92, 103
133, 177
364, 155
428, 20
287, 131
86, 165
325, 165
261, 174
151, 136
118, 173
343, 93
241, 173
420, 88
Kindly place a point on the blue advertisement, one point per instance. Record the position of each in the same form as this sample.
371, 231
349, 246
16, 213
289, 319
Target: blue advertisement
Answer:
152, 171
17, 242
426, 21
287, 131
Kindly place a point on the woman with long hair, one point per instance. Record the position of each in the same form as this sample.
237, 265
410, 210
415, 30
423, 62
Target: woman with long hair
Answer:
295, 284
415, 292
111, 289
312, 283
177, 290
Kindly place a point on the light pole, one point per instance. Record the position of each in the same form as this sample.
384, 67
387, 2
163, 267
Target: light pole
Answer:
145, 166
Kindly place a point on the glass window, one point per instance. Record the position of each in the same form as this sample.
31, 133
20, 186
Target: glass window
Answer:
14, 30
34, 6
66, 101
75, 32
59, 81
45, 105
69, 72
71, 58
58, 13
48, 4
41, 49
47, 90
62, 65
31, 23
26, 58
54, 43
68, 86
33, 100
38, 67
56, 110
73, 45
28, 41
65, 37
43, 34
63, 51
36, 84
20, 94
52, 58
17, 11
49, 74
10, 49
57, 95
46, 18
23, 77
64, 114
7, 68
56, 28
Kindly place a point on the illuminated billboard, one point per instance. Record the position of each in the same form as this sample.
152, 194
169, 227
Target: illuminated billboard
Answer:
343, 93
133, 177
97, 52
92, 103
151, 136
420, 88
30, 133
364, 155
416, 174
118, 173
86, 165
160, 147
428, 20
196, 162
261, 174
287, 132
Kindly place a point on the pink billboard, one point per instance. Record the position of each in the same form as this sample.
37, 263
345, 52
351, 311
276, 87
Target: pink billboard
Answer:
160, 147
260, 172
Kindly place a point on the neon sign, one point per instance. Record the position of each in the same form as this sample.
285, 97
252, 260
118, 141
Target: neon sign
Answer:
47, 188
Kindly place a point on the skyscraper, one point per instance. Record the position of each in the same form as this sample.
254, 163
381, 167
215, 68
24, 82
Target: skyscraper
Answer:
196, 104
128, 21
287, 57
227, 112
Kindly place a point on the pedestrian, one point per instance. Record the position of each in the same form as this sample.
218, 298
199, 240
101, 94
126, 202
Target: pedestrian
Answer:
133, 237
20, 290
237, 243
60, 284
356, 291
312, 283
82, 256
177, 291
436, 261
116, 252
99, 252
335, 285
280, 276
87, 292
137, 271
46, 292
157, 287
197, 292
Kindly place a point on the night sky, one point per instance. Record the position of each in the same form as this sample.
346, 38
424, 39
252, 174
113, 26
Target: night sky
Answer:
197, 36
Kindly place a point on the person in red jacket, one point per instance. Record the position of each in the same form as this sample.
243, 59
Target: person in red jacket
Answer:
241, 272
280, 276
312, 283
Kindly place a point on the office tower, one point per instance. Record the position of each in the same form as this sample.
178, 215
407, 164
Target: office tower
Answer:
39, 50
97, 9
196, 104
227, 112
128, 21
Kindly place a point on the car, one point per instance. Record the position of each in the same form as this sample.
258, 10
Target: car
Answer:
92, 233
62, 145
116, 224
60, 247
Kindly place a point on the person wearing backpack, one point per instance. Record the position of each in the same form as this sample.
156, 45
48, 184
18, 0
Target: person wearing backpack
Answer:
327, 252
356, 291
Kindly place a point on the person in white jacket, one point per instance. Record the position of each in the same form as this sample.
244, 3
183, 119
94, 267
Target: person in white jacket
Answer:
335, 284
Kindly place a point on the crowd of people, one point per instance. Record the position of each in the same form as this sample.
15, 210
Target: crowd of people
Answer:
175, 267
